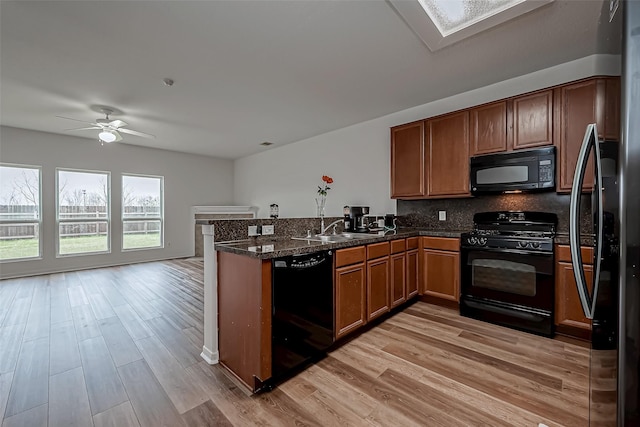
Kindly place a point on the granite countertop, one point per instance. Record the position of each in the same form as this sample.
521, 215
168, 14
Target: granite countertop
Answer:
563, 239
264, 248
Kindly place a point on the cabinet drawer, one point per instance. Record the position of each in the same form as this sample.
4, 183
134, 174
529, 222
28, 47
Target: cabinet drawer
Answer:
377, 250
412, 243
563, 254
442, 243
349, 256
398, 246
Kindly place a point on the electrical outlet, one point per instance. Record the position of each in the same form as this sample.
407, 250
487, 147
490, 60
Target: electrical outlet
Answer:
253, 230
442, 215
268, 229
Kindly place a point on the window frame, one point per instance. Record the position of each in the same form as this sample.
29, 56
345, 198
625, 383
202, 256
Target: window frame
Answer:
59, 221
39, 220
124, 220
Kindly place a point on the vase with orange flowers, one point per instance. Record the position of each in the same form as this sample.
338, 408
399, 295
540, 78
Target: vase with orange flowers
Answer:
322, 194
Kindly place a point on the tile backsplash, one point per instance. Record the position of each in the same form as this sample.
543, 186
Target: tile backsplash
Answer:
424, 213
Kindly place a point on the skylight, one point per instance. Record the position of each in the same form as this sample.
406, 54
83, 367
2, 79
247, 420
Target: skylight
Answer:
451, 16
449, 21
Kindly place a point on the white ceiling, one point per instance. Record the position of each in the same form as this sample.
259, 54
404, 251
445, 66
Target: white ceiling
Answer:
252, 71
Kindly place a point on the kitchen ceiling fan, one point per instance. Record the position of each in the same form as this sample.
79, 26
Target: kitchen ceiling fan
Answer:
109, 130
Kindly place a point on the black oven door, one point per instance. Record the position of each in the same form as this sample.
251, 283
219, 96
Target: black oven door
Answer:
510, 287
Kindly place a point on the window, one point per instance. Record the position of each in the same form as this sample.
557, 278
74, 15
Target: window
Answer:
83, 212
142, 212
20, 216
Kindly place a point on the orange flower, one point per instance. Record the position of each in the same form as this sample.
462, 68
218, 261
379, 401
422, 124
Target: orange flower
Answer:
327, 179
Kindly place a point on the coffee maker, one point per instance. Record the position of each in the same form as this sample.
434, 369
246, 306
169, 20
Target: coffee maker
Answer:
355, 218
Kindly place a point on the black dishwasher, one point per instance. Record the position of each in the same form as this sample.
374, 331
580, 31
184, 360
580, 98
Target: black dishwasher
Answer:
302, 317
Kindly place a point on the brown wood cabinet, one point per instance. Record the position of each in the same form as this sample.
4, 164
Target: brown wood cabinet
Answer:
489, 128
398, 272
244, 309
378, 281
533, 120
441, 268
378, 287
447, 141
577, 105
350, 288
569, 316
408, 160
413, 267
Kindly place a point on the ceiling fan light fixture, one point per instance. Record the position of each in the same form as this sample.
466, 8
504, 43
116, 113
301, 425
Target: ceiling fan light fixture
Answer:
107, 136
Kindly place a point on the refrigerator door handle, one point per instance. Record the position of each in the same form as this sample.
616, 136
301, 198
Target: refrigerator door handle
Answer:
590, 138
599, 232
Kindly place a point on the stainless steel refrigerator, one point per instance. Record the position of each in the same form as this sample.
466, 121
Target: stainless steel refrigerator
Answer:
612, 300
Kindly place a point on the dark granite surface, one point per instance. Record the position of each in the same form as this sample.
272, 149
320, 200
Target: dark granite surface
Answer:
267, 248
226, 230
424, 213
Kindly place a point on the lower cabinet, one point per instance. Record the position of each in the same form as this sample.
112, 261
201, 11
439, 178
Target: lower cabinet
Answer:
350, 299
413, 266
350, 290
569, 316
371, 280
441, 268
378, 283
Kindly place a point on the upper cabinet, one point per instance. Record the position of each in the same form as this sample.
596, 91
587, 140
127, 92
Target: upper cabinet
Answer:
447, 141
533, 120
430, 159
408, 160
522, 122
577, 105
488, 128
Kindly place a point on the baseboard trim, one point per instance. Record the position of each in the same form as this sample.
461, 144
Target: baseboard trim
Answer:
211, 357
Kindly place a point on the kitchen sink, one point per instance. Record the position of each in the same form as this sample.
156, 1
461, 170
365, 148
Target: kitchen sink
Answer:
334, 238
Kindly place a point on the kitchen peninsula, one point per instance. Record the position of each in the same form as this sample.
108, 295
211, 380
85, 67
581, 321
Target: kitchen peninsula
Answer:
371, 276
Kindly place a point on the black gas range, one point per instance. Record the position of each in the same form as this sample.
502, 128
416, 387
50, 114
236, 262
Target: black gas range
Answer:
507, 270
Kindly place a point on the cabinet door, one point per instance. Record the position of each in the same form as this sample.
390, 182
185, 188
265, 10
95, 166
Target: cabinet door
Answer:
408, 160
533, 120
448, 155
350, 299
577, 105
568, 308
488, 128
441, 274
412, 273
377, 287
398, 279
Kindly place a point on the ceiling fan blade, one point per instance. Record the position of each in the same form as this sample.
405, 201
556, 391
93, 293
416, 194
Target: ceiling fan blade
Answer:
75, 120
118, 136
117, 123
136, 133
87, 128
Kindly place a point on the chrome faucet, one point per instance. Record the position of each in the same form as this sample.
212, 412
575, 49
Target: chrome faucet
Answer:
334, 224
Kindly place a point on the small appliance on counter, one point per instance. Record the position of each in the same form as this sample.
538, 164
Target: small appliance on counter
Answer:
356, 217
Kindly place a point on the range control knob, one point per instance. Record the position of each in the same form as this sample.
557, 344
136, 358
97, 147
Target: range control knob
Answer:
482, 241
523, 244
535, 245
473, 241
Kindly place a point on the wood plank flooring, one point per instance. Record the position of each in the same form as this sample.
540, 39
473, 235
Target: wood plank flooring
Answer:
120, 347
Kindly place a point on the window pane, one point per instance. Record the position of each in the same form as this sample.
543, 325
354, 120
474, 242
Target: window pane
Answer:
83, 212
141, 212
83, 237
141, 234
19, 212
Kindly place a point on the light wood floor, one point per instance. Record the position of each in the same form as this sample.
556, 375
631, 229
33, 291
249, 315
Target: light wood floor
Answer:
120, 347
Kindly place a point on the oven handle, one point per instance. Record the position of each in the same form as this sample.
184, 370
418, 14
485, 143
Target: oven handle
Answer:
508, 251
590, 140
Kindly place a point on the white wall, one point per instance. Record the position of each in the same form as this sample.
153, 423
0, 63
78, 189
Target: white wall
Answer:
358, 157
188, 180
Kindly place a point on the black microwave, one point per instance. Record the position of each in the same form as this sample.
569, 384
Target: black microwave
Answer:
521, 170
